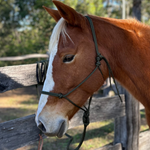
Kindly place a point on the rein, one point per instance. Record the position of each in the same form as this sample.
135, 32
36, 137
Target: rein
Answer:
86, 110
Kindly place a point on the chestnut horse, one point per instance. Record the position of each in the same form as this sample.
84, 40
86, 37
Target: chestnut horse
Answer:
124, 43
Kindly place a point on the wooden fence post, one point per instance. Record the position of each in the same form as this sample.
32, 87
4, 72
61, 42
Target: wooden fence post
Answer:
129, 125
120, 131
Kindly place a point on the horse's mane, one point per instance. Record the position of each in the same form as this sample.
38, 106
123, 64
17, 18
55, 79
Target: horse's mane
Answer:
131, 25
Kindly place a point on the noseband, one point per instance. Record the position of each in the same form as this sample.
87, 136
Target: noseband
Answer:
86, 110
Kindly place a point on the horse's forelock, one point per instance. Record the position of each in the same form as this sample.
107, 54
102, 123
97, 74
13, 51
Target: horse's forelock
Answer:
59, 28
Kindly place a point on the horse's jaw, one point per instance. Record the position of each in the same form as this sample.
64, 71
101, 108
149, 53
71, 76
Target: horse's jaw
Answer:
53, 124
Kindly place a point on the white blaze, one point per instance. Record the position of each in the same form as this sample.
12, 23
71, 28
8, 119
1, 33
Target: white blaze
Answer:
49, 82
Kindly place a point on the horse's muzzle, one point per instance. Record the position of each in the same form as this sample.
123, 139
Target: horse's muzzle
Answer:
58, 130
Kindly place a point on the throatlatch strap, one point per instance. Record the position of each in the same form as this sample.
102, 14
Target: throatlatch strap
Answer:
94, 35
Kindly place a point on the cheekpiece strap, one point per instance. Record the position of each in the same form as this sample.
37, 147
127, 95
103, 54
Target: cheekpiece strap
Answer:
94, 37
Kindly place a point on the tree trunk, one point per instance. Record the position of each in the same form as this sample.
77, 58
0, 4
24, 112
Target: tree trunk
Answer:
137, 9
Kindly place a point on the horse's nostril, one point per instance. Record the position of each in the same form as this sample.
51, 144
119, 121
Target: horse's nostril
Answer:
61, 129
41, 127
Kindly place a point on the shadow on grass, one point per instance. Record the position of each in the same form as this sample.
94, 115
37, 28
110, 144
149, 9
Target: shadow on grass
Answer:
61, 144
7, 114
94, 133
30, 90
30, 101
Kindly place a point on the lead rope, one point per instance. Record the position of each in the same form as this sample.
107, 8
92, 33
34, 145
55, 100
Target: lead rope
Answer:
41, 70
86, 122
40, 145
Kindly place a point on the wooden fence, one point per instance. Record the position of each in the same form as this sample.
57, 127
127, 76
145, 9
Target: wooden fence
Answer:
23, 57
23, 131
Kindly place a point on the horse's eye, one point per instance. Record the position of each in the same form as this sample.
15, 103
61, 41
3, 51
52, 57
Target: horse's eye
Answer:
68, 58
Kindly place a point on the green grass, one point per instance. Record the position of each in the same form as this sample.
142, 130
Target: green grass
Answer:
98, 134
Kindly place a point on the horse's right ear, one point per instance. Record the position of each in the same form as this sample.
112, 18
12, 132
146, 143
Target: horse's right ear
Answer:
53, 13
71, 16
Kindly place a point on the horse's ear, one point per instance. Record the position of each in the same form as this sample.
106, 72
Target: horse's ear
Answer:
54, 13
69, 14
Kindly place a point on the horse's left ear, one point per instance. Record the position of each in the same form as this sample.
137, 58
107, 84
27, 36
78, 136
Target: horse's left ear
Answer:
53, 13
69, 14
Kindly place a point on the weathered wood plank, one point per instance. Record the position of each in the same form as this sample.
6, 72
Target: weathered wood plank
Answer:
120, 131
19, 132
23, 131
144, 140
23, 57
132, 122
118, 146
12, 77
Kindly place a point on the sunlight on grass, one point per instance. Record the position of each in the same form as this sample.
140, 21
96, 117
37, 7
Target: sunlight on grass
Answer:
19, 101
144, 125
98, 134
17, 106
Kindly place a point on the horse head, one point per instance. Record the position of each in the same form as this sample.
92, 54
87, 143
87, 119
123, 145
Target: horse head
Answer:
72, 59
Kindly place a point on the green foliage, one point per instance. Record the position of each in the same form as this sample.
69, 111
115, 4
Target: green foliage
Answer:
146, 11
25, 27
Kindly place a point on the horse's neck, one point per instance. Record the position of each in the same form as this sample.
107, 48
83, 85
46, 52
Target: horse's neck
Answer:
128, 50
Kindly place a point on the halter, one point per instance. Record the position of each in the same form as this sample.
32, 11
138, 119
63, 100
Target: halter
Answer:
86, 110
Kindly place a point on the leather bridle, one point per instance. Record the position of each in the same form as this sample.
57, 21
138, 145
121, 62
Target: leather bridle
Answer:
86, 110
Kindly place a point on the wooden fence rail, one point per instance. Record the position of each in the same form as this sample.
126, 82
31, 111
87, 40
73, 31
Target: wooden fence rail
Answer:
23, 131
12, 77
23, 57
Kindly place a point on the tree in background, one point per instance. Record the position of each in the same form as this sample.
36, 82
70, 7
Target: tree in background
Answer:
25, 27
145, 11
137, 9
